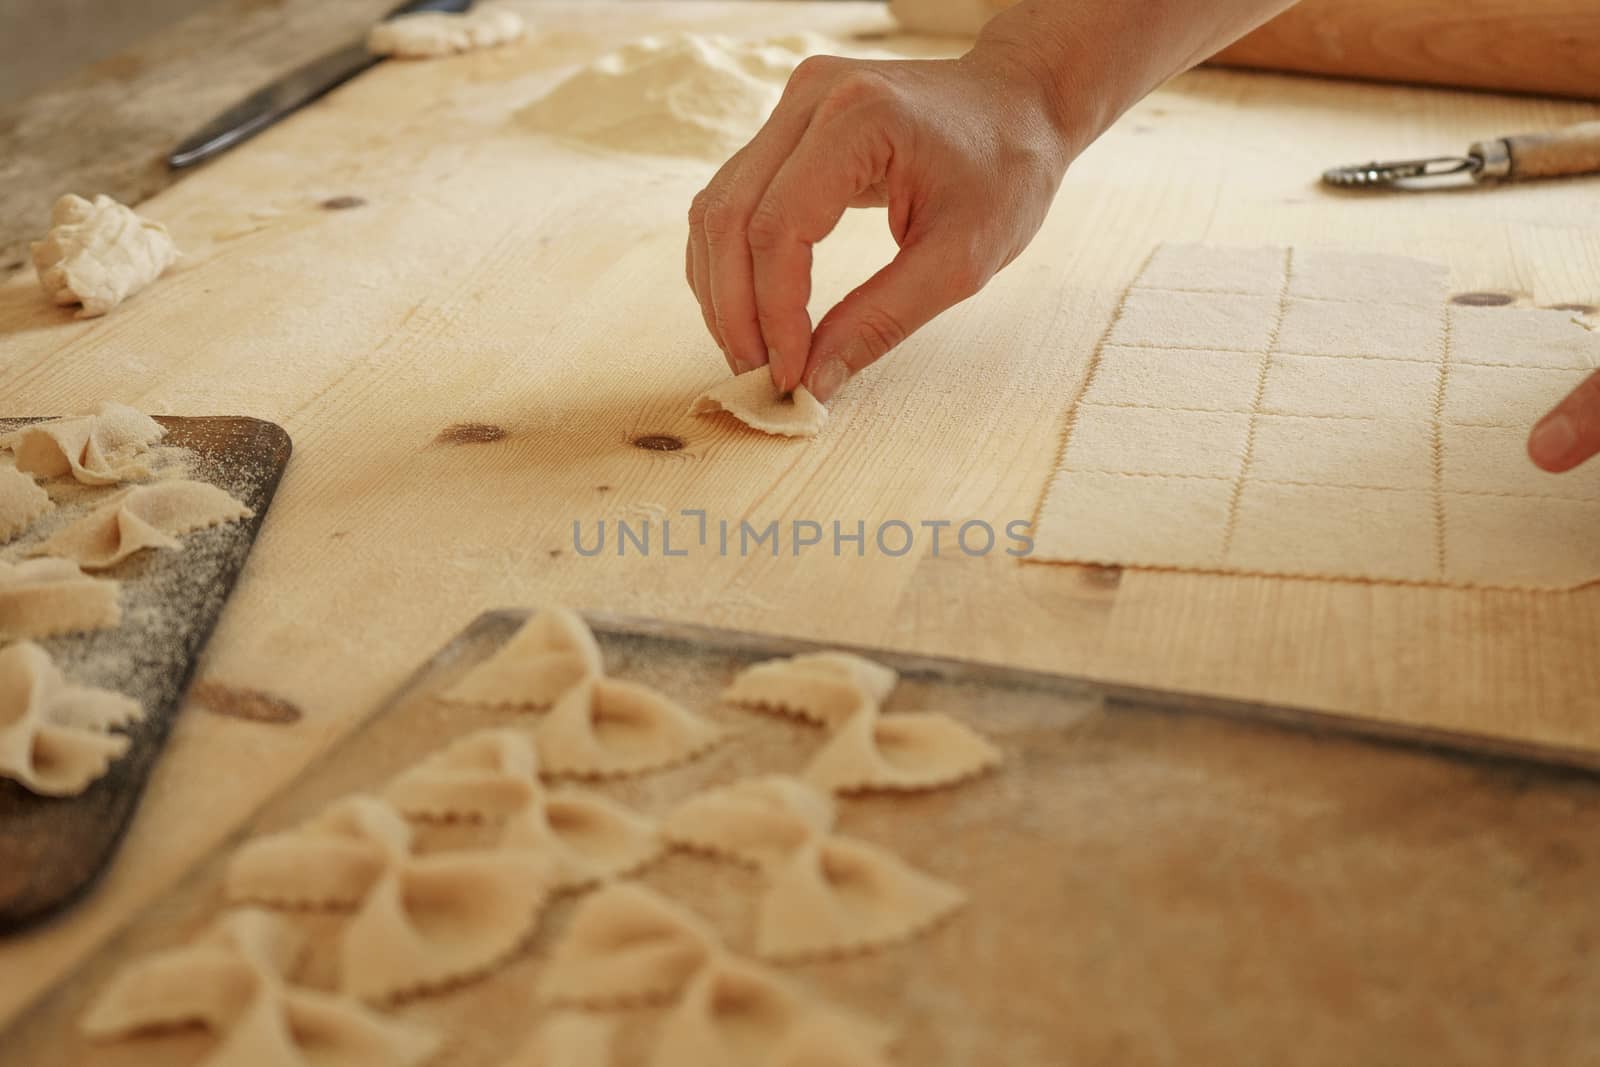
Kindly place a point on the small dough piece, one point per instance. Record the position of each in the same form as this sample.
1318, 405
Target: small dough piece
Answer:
429, 34
486, 775
819, 1042
53, 734
605, 727
825, 688
759, 821
739, 1014
753, 400
586, 837
332, 861
553, 651
902, 751
627, 945
46, 597
104, 448
21, 503
569, 1039
99, 254
146, 516
838, 896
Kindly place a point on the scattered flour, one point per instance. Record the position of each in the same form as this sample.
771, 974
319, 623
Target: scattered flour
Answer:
428, 34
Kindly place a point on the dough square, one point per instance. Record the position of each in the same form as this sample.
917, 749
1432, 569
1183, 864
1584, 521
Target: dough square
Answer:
1363, 453
1521, 542
1200, 268
1336, 532
1494, 459
1206, 444
1328, 385
1195, 320
1367, 278
1383, 331
1535, 337
1169, 378
1504, 396
1091, 517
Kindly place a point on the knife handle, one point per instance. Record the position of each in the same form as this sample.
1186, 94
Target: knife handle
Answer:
1561, 154
413, 7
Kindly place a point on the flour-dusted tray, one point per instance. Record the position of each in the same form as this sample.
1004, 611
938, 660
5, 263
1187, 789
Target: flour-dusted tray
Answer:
53, 848
1152, 880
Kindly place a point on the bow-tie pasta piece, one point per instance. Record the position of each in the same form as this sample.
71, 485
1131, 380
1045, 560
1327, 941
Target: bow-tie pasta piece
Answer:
429, 34
21, 503
824, 1042
552, 652
307, 1028
587, 837
825, 688
147, 516
627, 945
332, 861
759, 821
104, 448
605, 727
903, 751
737, 1014
486, 775
568, 1039
46, 597
753, 400
53, 738
838, 896
99, 253
437, 921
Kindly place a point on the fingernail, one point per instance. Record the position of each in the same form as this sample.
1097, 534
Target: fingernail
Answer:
826, 379
1553, 440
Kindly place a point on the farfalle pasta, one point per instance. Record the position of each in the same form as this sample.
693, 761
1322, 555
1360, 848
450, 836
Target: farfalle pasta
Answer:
586, 837
900, 751
22, 502
143, 517
104, 448
486, 775
627, 945
825, 688
47, 597
568, 1039
553, 651
758, 821
54, 736
605, 727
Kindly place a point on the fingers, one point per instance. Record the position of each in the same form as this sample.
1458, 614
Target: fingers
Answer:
698, 270
1570, 434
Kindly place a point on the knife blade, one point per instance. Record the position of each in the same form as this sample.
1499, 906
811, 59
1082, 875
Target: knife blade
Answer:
289, 93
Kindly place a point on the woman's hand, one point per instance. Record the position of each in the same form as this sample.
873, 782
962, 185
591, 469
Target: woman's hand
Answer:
1570, 434
966, 153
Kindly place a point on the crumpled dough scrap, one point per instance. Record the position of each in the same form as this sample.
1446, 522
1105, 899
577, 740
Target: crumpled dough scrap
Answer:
758, 821
104, 448
904, 750
586, 837
839, 896
333, 860
428, 34
98, 254
46, 597
753, 400
605, 727
486, 775
825, 688
21, 503
553, 651
144, 517
627, 945
233, 981
54, 737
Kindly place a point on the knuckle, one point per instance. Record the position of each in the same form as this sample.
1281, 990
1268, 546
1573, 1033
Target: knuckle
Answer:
878, 331
720, 220
860, 87
697, 208
766, 228
811, 72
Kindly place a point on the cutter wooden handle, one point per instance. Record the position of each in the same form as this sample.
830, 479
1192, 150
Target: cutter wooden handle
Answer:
1561, 154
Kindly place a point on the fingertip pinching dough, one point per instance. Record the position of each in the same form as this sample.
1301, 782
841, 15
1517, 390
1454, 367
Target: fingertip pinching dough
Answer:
55, 737
46, 597
99, 253
110, 445
139, 518
430, 34
552, 652
754, 400
22, 502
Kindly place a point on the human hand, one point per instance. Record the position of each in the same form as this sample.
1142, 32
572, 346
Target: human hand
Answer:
966, 154
1570, 434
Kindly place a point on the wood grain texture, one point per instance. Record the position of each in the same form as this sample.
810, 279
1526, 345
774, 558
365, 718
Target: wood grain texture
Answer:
495, 279
1534, 46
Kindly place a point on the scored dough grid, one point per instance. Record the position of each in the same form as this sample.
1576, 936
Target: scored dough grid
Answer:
1325, 414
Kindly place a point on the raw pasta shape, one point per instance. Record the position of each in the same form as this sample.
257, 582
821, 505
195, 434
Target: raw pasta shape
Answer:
306, 1028
104, 448
99, 253
753, 400
552, 652
821, 1042
587, 837
570, 1039
486, 775
904, 751
147, 516
627, 945
825, 688
428, 34
838, 896
759, 821
739, 1014
606, 727
47, 597
21, 503
53, 738
334, 860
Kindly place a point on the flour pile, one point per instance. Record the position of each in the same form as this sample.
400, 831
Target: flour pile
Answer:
685, 95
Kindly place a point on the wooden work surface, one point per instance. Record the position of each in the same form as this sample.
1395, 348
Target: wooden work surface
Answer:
535, 292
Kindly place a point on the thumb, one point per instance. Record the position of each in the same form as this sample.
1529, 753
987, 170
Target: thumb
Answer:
1570, 434
926, 277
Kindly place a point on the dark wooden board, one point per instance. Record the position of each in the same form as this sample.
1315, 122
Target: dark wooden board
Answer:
52, 849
